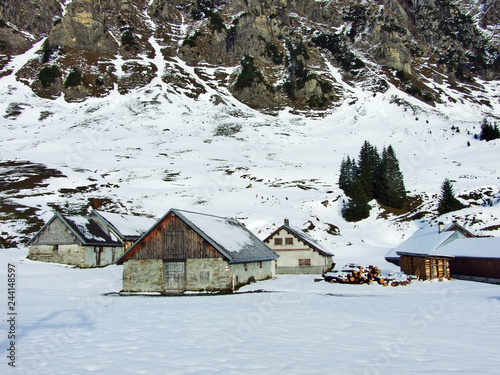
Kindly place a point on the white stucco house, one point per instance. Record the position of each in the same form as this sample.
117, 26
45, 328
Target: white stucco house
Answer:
298, 252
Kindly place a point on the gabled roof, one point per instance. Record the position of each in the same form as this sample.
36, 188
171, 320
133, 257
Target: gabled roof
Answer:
302, 236
429, 241
479, 247
128, 227
86, 230
228, 236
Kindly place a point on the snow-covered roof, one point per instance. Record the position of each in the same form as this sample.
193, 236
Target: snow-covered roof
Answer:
88, 229
486, 247
127, 225
424, 242
85, 229
449, 242
305, 237
228, 236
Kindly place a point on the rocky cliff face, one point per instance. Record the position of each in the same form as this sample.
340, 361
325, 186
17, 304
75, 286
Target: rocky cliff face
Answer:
283, 50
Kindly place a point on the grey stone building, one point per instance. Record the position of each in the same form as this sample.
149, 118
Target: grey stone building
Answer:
74, 240
189, 251
96, 240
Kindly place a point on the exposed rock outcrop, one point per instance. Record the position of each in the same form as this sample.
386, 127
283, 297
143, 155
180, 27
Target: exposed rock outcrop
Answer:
292, 43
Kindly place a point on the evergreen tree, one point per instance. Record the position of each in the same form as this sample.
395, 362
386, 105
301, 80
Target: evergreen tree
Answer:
447, 200
368, 164
347, 174
489, 132
357, 207
389, 183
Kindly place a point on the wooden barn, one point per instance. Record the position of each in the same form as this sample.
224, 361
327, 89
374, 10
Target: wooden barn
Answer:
426, 240
422, 254
74, 240
450, 251
476, 259
298, 252
189, 251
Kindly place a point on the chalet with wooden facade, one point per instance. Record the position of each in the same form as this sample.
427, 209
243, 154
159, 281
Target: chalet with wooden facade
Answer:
74, 240
449, 251
421, 254
190, 251
93, 241
298, 252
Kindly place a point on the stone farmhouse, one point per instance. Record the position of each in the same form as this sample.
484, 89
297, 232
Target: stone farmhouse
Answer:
190, 251
96, 240
298, 252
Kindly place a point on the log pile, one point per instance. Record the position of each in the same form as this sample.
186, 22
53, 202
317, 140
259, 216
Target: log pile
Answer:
358, 274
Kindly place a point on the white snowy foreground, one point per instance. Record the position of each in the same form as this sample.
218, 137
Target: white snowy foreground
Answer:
66, 324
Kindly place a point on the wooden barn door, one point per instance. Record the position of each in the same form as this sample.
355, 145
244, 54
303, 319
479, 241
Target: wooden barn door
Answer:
175, 277
175, 264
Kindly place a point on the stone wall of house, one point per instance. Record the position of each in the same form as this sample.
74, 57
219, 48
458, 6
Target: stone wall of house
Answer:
55, 234
208, 274
65, 254
74, 254
243, 273
143, 275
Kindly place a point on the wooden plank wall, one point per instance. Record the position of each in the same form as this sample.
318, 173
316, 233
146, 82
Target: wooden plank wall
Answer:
173, 240
478, 267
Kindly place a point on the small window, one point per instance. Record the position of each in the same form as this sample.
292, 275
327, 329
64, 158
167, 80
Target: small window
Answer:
278, 241
55, 248
204, 276
246, 266
304, 262
289, 241
260, 264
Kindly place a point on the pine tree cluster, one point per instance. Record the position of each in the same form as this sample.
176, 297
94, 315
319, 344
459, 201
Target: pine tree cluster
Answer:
447, 201
372, 176
489, 131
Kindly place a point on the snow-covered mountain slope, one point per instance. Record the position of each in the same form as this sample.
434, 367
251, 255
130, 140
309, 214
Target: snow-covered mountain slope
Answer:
181, 139
155, 148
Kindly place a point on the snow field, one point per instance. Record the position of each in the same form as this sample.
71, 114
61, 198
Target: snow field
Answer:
67, 325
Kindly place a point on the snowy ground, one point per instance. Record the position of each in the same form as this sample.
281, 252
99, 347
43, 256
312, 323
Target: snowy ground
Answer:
67, 325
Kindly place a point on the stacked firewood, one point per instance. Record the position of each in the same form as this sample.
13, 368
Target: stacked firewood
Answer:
358, 274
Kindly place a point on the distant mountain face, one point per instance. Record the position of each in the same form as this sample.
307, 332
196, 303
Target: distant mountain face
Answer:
269, 53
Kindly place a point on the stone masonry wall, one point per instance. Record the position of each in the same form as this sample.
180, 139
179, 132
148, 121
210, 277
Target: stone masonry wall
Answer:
208, 274
243, 272
143, 276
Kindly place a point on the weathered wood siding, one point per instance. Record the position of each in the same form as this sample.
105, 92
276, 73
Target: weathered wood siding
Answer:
425, 268
173, 240
486, 268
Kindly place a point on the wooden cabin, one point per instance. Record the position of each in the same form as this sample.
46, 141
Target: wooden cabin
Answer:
450, 251
426, 240
190, 251
298, 252
74, 240
422, 254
